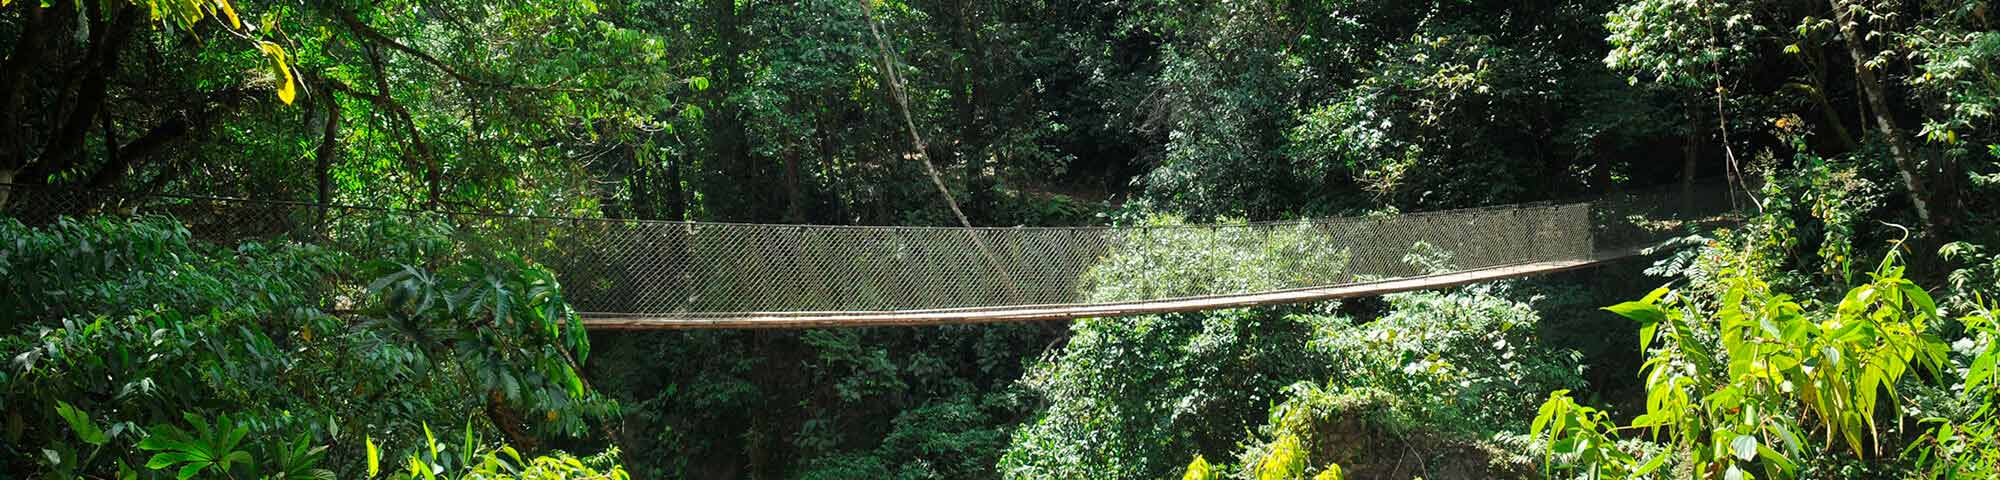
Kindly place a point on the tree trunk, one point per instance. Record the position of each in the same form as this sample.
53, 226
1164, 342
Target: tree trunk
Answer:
110, 30
676, 201
1872, 90
795, 197
823, 126
433, 171
737, 198
40, 28
136, 153
1601, 166
972, 90
323, 157
6, 187
509, 422
1690, 155
644, 205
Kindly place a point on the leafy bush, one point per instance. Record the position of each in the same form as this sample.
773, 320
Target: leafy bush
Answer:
1438, 378
77, 267
1979, 271
1584, 437
473, 460
1965, 442
1174, 259
909, 403
1423, 127
1016, 207
1135, 397
1792, 381
1819, 206
1467, 361
136, 327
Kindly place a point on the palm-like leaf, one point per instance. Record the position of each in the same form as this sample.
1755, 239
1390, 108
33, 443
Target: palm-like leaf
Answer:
210, 448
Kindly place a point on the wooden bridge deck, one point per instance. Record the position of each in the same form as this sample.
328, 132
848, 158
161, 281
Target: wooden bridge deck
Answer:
1025, 313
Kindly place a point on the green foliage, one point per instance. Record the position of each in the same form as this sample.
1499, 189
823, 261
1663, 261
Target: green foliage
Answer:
1287, 459
1132, 397
434, 461
1469, 361
296, 459
505, 323
1689, 44
1979, 271
1284, 461
1786, 382
1961, 443
1129, 398
1423, 127
1443, 375
209, 448
76, 267
1199, 469
241, 343
1287, 109
1174, 259
1220, 149
1813, 216
1584, 436
80, 424
214, 448
759, 111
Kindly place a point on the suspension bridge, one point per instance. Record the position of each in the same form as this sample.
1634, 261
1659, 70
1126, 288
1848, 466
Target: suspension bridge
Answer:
638, 274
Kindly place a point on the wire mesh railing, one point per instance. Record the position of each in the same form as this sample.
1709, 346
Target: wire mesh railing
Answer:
704, 270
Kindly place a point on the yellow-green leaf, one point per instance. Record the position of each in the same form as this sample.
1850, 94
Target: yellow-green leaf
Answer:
286, 91
374, 457
1332, 472
1198, 469
229, 11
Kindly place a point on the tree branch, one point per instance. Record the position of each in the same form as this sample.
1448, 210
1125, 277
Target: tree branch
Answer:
401, 116
355, 25
375, 36
136, 153
329, 146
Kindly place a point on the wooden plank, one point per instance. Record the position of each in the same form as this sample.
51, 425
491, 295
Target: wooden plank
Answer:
1026, 313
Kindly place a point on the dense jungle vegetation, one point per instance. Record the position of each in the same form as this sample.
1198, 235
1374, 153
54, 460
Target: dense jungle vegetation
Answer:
1842, 328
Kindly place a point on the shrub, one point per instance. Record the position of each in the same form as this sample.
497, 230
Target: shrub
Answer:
134, 326
1422, 390
1135, 397
1467, 360
1743, 380
1174, 259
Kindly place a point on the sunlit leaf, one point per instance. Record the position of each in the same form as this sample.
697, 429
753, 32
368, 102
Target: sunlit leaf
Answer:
282, 67
374, 457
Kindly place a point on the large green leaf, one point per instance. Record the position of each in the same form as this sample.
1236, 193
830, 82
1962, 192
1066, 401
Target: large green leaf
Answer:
80, 423
1646, 313
163, 460
1744, 447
